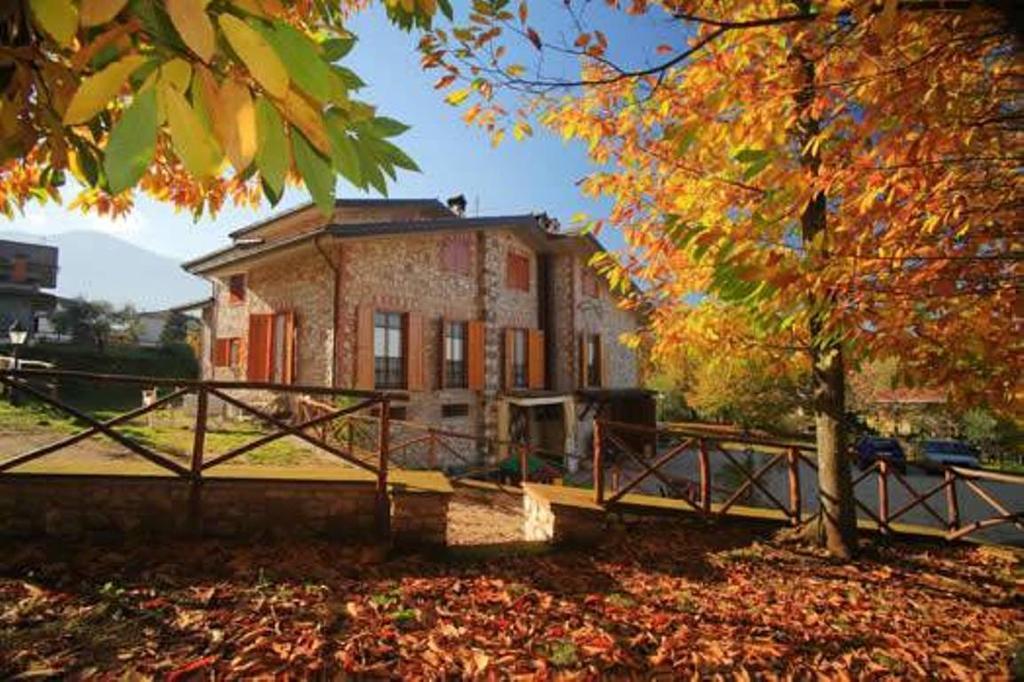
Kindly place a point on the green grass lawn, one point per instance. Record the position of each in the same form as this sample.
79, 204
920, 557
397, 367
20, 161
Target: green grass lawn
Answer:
169, 433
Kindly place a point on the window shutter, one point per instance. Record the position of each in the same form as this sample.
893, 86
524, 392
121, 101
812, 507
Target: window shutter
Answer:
261, 351
475, 334
602, 361
414, 349
442, 352
581, 365
290, 355
509, 346
364, 348
222, 353
535, 359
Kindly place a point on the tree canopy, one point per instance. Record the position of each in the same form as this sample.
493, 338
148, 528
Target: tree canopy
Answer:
713, 148
191, 101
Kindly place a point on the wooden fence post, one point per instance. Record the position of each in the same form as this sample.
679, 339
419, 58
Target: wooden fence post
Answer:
795, 501
598, 465
195, 494
705, 477
524, 474
952, 504
883, 496
383, 503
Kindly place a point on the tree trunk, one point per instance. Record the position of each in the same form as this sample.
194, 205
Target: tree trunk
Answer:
837, 522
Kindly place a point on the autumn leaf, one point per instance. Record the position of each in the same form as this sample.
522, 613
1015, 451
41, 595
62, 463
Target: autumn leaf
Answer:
191, 21
98, 90
259, 57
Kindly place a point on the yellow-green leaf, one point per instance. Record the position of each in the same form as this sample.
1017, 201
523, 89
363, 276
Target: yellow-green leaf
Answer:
194, 26
457, 97
97, 90
259, 57
308, 119
96, 12
176, 73
59, 18
236, 128
273, 156
192, 141
132, 144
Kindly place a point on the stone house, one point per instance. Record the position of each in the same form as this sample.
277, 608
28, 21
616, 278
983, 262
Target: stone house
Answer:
495, 326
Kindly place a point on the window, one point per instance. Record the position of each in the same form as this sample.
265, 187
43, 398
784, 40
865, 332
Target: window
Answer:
454, 410
517, 271
19, 270
457, 253
236, 288
594, 360
388, 350
591, 288
227, 352
455, 354
520, 379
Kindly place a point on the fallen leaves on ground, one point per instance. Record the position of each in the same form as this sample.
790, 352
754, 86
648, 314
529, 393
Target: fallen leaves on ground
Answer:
676, 600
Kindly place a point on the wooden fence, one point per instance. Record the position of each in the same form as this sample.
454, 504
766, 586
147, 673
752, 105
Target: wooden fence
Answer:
609, 444
310, 430
420, 446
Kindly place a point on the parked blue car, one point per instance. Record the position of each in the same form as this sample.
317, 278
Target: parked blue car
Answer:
870, 450
936, 454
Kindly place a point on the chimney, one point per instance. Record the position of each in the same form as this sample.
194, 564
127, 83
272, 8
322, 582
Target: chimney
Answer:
457, 204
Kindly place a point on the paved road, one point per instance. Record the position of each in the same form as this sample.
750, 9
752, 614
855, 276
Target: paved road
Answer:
972, 507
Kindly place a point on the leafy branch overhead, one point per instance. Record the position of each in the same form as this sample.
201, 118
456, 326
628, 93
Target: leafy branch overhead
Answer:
193, 101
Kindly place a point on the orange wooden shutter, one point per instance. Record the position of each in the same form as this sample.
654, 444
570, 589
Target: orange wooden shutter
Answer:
475, 335
289, 356
414, 364
509, 349
222, 353
364, 347
535, 359
581, 369
442, 353
261, 347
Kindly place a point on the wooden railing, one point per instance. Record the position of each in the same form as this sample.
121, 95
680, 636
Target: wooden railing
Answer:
310, 428
421, 446
610, 444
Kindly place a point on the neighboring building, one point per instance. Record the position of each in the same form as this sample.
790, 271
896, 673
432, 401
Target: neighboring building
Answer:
495, 326
911, 412
25, 271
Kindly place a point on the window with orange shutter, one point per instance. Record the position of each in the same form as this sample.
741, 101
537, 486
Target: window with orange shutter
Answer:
236, 289
517, 271
457, 253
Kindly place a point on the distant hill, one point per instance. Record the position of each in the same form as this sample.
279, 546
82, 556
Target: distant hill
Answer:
99, 266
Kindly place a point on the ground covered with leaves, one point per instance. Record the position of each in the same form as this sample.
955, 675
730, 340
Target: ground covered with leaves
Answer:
676, 600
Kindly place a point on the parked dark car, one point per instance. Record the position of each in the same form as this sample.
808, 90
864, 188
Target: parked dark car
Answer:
936, 454
871, 449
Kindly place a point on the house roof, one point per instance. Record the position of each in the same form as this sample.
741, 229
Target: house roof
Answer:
340, 203
528, 224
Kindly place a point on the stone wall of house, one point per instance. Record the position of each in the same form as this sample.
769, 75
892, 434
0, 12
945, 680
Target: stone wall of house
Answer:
562, 323
602, 315
33, 505
301, 282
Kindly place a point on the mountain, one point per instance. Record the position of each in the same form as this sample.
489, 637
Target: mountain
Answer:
98, 266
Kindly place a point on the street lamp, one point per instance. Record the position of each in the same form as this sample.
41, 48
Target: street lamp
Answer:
19, 335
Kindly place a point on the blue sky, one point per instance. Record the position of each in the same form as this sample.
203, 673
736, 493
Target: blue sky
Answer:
539, 174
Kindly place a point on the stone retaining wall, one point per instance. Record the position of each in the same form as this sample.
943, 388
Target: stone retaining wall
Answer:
548, 521
69, 506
